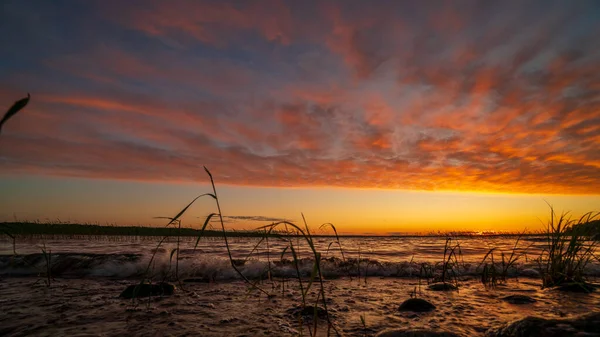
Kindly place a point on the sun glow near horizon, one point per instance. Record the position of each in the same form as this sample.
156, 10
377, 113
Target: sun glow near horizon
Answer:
353, 211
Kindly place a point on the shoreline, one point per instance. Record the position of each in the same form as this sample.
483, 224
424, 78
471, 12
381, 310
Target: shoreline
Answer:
24, 229
86, 307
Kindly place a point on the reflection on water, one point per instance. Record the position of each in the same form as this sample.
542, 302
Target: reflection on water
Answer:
374, 256
383, 249
94, 271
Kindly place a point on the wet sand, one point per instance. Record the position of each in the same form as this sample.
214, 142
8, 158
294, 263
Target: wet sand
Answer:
91, 307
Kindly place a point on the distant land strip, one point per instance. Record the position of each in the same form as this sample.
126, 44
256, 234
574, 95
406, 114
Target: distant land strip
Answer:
73, 229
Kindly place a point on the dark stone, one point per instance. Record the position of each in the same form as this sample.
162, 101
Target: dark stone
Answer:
442, 286
576, 287
518, 299
586, 325
198, 280
238, 262
308, 311
416, 305
146, 289
415, 333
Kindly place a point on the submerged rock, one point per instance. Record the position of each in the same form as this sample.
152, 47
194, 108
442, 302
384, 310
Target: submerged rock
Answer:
146, 289
518, 299
442, 286
416, 305
587, 325
415, 333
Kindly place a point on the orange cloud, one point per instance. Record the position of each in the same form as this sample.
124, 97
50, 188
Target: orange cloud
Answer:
341, 94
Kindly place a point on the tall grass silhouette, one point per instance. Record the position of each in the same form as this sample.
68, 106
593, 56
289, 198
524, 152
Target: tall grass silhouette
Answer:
567, 252
495, 272
16, 107
316, 275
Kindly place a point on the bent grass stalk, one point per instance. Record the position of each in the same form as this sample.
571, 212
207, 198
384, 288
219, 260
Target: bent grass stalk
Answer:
47, 273
233, 265
146, 275
176, 250
450, 263
337, 238
316, 273
48, 259
492, 274
12, 237
16, 107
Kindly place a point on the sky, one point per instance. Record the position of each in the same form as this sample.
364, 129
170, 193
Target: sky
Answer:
387, 117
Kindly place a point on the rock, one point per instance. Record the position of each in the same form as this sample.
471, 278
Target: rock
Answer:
238, 262
146, 289
586, 325
518, 299
416, 305
529, 272
308, 311
577, 287
442, 286
415, 333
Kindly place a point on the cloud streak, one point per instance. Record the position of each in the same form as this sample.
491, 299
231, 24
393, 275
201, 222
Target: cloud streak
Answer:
401, 96
256, 218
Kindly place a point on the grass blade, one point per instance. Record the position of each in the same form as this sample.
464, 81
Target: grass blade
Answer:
16, 107
206, 221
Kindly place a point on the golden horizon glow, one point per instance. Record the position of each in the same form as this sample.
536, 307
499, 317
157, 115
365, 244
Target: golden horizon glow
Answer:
353, 211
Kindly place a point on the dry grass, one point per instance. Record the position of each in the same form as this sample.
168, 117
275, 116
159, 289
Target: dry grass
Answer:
567, 251
495, 272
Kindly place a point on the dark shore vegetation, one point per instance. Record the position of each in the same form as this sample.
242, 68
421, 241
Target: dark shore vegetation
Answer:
65, 229
68, 229
568, 251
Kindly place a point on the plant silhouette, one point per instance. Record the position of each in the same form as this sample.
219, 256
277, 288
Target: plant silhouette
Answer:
16, 107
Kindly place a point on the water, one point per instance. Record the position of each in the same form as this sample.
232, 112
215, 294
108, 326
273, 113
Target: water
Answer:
374, 256
383, 249
89, 273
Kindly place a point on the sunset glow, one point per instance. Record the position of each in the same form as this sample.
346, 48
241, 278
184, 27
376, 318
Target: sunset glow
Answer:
396, 117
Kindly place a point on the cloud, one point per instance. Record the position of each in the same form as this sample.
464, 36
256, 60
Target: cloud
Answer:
256, 218
212, 22
394, 96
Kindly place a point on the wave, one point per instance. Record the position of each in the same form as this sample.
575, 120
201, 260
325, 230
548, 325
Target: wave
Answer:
214, 268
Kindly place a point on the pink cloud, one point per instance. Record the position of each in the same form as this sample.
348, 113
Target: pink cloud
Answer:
281, 94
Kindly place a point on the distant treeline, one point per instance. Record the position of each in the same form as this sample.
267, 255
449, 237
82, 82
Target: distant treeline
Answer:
72, 229
33, 228
591, 228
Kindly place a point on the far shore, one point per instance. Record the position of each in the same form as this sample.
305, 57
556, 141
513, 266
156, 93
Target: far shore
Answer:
74, 229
